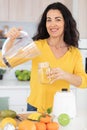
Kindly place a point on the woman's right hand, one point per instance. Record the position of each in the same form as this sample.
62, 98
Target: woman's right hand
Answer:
13, 33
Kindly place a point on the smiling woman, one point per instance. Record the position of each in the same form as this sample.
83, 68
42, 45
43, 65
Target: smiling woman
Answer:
57, 39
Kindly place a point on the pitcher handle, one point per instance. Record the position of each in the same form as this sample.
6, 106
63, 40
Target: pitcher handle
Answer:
22, 34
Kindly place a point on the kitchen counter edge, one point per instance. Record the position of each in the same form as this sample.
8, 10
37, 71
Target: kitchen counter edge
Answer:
14, 84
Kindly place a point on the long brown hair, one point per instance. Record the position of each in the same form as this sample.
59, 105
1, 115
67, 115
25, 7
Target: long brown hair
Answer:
71, 34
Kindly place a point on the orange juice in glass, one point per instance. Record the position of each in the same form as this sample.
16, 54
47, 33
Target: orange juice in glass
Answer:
43, 69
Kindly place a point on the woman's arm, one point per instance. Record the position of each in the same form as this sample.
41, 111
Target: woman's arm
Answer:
59, 74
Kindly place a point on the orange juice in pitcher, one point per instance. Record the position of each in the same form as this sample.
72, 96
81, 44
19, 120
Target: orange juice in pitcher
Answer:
21, 51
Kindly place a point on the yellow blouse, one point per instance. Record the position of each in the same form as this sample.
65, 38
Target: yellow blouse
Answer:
41, 96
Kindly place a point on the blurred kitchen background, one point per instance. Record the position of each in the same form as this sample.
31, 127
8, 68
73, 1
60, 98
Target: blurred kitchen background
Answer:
26, 14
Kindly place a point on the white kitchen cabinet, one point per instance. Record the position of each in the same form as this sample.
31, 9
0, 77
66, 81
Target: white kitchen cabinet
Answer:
20, 10
17, 98
4, 10
17, 10
25, 10
17, 94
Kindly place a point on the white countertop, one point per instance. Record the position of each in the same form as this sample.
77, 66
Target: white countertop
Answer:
14, 84
77, 123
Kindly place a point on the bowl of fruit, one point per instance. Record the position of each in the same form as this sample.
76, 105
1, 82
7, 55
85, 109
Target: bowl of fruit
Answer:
23, 75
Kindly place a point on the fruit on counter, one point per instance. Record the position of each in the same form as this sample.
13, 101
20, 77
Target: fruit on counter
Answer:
23, 75
46, 118
32, 125
63, 119
40, 126
8, 120
26, 125
17, 72
52, 126
7, 113
49, 110
34, 116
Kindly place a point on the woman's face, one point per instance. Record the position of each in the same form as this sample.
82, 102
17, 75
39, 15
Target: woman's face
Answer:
55, 23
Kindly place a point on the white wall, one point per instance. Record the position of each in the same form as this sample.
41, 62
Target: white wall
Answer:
80, 14
81, 98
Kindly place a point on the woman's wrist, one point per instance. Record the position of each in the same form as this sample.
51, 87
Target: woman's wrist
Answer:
73, 79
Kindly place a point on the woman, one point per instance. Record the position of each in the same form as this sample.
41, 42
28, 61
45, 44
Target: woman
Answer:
57, 38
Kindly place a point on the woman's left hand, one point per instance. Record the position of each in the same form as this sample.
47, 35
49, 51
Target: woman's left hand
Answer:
59, 74
55, 74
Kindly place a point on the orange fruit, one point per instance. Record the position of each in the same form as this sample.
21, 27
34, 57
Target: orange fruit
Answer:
52, 126
40, 126
45, 119
26, 125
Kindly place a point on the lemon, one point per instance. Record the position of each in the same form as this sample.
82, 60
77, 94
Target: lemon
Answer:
8, 120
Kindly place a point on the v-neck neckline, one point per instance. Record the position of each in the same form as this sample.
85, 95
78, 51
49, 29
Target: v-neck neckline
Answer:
52, 55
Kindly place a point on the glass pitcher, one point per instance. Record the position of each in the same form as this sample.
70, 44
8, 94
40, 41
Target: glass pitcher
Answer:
21, 51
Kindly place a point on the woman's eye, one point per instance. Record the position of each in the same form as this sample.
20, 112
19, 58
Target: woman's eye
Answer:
58, 19
48, 20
